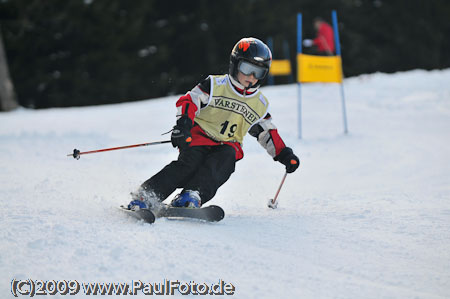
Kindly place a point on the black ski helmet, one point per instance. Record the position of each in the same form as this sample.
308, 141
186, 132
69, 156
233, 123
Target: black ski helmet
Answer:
252, 50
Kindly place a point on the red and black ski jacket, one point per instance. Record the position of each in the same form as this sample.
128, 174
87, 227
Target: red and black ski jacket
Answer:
192, 102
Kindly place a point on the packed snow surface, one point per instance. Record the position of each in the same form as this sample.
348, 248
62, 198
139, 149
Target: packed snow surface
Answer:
367, 215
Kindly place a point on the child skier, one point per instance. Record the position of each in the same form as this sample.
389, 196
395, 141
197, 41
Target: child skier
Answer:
213, 119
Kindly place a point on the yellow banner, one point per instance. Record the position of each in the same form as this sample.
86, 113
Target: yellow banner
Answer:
313, 68
280, 67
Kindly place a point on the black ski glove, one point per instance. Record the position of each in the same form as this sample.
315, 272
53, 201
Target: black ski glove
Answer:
288, 158
181, 134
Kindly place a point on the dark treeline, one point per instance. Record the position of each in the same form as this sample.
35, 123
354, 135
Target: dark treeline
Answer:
75, 52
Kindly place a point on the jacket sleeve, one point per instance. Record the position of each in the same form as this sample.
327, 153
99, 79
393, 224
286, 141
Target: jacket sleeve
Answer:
194, 100
325, 39
267, 135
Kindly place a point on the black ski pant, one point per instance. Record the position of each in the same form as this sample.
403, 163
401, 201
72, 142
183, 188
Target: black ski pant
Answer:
199, 168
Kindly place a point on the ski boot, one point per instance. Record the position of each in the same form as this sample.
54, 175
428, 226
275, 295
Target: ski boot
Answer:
139, 201
187, 199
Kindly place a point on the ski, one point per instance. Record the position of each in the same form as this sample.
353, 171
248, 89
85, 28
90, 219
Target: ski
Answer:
209, 213
141, 214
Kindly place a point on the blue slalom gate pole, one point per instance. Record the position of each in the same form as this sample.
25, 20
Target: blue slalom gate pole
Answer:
338, 53
270, 79
299, 90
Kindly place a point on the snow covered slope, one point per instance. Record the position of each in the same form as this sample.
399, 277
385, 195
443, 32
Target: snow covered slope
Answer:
366, 216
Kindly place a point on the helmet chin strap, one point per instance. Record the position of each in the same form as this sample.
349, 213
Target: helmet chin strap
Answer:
250, 85
243, 87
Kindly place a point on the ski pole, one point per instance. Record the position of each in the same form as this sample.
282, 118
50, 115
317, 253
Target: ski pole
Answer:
273, 202
76, 153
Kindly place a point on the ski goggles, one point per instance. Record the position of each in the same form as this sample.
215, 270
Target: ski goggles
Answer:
247, 69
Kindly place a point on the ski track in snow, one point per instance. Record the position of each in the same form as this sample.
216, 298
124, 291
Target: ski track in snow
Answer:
366, 216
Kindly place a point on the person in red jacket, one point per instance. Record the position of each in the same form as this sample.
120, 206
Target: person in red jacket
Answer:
324, 41
212, 120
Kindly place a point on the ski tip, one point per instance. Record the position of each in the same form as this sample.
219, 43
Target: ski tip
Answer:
220, 213
142, 214
205, 213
